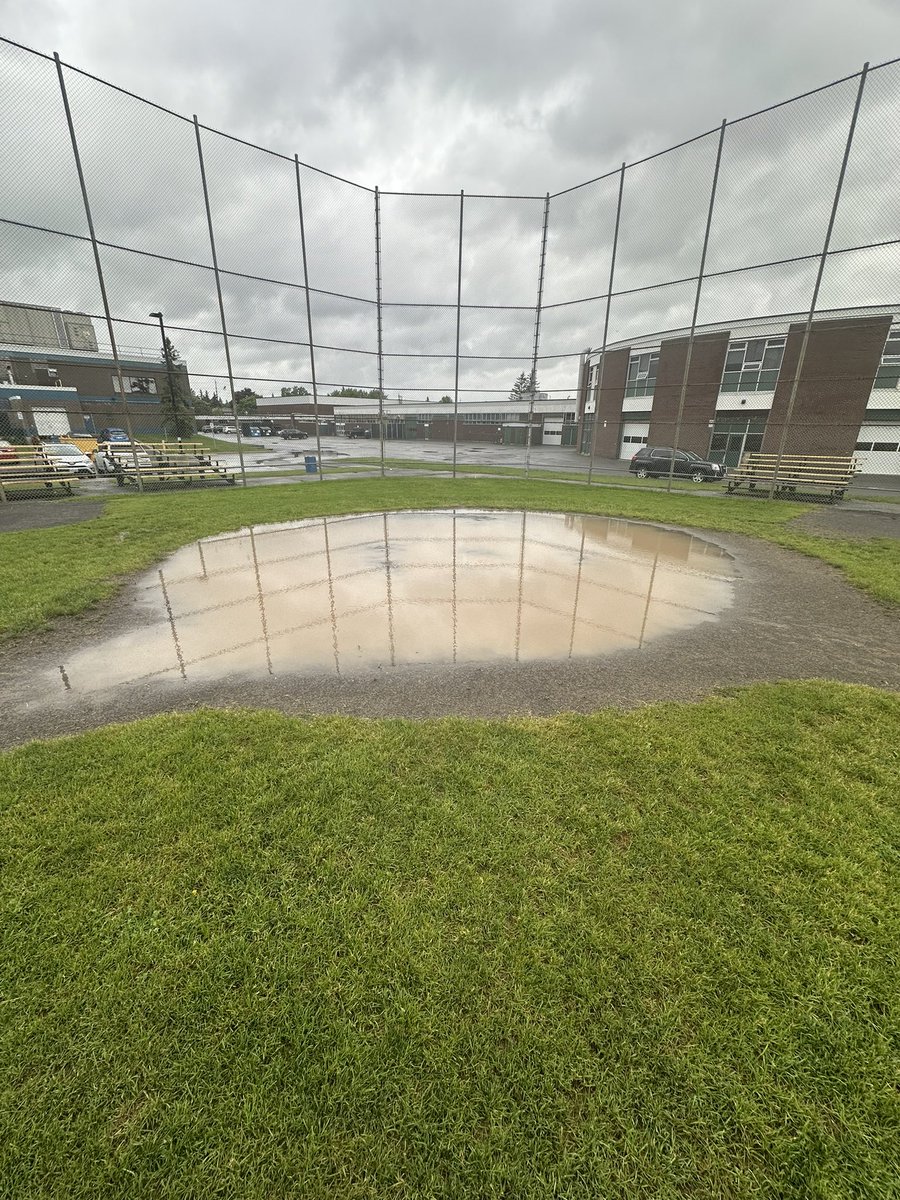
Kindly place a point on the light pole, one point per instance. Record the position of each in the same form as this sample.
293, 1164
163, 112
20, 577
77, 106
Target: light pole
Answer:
170, 371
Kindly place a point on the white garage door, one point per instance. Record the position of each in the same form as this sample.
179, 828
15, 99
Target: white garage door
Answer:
634, 435
878, 450
51, 422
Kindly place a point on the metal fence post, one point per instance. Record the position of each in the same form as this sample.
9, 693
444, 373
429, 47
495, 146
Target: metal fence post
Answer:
212, 246
537, 333
100, 279
690, 346
612, 273
380, 329
309, 324
456, 369
801, 358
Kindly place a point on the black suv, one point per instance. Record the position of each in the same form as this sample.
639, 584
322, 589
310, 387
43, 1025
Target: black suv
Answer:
299, 434
653, 462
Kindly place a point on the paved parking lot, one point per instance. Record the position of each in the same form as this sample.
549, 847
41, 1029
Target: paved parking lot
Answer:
336, 449
281, 454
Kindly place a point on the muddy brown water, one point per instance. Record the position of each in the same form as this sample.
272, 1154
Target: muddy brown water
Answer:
345, 595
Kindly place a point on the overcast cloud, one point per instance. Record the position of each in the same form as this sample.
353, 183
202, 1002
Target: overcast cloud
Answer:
501, 96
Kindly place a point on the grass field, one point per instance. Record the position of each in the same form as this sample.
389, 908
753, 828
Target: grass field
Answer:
616, 479
52, 572
645, 954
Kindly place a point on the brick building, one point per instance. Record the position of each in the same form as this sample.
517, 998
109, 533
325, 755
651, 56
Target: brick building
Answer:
497, 422
55, 378
739, 385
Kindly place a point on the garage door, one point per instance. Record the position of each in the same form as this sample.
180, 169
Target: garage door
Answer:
51, 422
634, 435
878, 450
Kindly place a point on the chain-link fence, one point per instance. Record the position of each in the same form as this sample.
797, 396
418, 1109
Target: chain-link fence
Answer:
729, 303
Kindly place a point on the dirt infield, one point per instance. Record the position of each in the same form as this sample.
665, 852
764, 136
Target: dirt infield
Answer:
793, 617
19, 515
857, 522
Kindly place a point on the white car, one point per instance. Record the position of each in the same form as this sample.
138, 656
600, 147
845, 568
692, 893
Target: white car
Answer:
66, 456
110, 458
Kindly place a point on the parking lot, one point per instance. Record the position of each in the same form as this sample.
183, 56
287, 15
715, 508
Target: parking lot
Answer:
335, 449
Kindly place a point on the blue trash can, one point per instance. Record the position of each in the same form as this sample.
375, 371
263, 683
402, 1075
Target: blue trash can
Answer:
312, 465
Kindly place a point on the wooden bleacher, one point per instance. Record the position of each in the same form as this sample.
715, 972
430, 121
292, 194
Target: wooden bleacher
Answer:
161, 464
26, 473
799, 476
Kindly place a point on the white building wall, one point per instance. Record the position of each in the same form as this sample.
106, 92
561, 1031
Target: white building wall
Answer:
637, 404
752, 401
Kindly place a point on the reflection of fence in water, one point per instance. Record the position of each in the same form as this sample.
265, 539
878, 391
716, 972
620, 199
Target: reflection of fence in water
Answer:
376, 592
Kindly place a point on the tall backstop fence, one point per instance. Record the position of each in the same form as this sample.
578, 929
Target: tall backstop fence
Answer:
734, 295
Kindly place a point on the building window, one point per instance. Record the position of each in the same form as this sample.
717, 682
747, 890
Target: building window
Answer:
484, 418
642, 370
753, 366
136, 385
888, 374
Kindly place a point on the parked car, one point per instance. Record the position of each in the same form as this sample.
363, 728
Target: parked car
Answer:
112, 435
654, 462
358, 433
66, 456
299, 434
112, 458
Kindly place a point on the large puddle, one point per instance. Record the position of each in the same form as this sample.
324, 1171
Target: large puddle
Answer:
341, 595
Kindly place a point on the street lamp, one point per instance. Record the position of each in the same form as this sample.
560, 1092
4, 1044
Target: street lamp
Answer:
170, 369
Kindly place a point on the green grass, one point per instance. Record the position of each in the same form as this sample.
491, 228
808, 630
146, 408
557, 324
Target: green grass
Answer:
647, 954
47, 573
613, 478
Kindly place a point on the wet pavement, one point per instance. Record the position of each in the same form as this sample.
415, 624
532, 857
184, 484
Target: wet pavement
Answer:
427, 614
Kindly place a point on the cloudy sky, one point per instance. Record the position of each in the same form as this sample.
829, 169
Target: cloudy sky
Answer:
496, 97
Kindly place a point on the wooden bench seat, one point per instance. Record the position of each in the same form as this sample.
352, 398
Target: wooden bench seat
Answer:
164, 463
794, 476
25, 472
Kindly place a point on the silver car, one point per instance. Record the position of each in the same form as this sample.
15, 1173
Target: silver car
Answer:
66, 456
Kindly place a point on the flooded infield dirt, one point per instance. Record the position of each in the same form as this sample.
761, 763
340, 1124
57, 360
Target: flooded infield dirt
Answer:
361, 594
469, 613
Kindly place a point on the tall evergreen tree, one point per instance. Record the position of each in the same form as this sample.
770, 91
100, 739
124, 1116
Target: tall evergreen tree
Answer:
524, 386
174, 402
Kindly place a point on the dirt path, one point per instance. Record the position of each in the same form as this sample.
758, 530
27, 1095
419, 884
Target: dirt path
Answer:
18, 515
